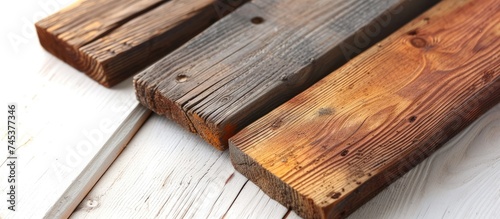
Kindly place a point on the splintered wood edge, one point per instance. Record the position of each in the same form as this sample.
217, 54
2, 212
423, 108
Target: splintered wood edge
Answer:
148, 96
347, 202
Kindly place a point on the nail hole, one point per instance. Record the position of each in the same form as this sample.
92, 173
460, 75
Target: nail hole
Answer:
344, 152
413, 32
336, 195
412, 119
92, 203
257, 20
181, 78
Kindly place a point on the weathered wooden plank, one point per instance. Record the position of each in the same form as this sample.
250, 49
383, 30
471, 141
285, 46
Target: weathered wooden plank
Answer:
110, 40
331, 148
260, 56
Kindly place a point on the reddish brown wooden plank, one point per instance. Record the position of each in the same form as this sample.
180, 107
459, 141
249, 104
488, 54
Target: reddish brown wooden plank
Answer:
259, 56
334, 146
110, 40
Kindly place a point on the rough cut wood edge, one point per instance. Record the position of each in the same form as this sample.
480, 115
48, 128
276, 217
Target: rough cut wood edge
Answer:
64, 32
75, 193
330, 149
113, 45
260, 56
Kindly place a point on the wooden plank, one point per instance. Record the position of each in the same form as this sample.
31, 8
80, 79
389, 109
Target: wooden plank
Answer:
331, 148
260, 56
110, 40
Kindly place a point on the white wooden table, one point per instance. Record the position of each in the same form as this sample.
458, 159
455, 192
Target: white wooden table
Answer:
68, 126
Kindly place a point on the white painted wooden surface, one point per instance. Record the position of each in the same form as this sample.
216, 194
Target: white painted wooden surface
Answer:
96, 167
167, 172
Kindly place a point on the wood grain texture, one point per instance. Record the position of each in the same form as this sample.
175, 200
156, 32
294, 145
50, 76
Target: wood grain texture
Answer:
110, 40
259, 56
460, 180
333, 147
